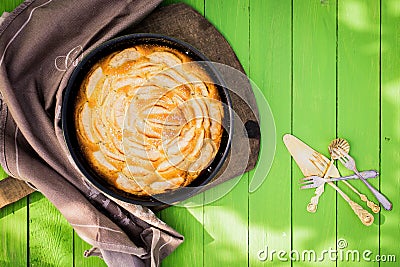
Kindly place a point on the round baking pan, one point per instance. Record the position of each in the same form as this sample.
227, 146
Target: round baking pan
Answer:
69, 131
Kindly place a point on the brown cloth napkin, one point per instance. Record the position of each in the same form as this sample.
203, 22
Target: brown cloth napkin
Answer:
40, 43
34, 39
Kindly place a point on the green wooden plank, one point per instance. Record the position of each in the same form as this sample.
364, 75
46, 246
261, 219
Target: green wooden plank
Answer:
13, 233
9, 5
314, 119
50, 235
3, 174
226, 220
270, 69
79, 260
189, 222
358, 113
198, 5
390, 129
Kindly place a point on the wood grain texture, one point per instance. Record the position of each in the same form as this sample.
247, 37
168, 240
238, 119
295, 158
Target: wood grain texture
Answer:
13, 230
226, 220
14, 234
314, 119
9, 5
79, 247
358, 113
189, 221
270, 69
50, 235
390, 129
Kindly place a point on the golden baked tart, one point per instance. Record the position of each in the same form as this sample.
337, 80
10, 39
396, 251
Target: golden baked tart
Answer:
148, 119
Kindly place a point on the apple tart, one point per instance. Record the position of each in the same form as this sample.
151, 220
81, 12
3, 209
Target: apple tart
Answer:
148, 119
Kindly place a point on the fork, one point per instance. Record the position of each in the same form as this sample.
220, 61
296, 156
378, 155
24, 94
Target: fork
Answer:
350, 164
365, 217
316, 181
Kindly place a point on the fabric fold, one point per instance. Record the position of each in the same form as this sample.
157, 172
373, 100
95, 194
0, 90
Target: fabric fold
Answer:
40, 44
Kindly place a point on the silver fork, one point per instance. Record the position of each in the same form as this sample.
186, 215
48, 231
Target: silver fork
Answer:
350, 164
316, 181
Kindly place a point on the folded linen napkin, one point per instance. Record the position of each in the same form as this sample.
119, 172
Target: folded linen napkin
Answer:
35, 65
33, 40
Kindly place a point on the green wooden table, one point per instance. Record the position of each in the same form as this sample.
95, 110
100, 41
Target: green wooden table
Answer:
328, 68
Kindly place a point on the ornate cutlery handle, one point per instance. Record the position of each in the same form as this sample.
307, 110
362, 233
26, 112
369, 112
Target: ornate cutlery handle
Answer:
374, 207
365, 217
386, 204
312, 206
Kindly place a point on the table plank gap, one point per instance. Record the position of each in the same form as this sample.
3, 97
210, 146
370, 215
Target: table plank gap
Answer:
270, 69
226, 220
314, 122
